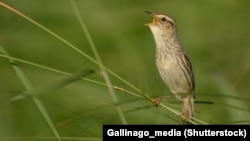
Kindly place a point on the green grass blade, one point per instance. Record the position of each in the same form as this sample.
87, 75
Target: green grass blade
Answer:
88, 80
98, 58
27, 84
224, 87
138, 91
66, 73
71, 46
55, 85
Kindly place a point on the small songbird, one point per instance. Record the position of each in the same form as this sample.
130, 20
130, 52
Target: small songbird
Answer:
172, 62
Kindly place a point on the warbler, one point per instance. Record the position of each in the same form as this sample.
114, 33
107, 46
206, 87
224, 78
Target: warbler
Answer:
172, 62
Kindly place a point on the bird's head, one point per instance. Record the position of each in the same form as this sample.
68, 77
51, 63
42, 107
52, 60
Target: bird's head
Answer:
161, 23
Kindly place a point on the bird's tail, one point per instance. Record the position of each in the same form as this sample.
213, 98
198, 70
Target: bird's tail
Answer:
188, 107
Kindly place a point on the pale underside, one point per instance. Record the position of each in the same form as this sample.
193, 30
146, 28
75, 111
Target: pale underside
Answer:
169, 57
174, 77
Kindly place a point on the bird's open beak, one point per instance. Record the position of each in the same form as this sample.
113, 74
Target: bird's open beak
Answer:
153, 17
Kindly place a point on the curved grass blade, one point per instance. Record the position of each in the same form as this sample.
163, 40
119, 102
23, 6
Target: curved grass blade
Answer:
98, 58
28, 85
71, 46
225, 87
77, 50
55, 85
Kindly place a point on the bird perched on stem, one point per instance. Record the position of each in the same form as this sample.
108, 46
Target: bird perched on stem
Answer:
172, 62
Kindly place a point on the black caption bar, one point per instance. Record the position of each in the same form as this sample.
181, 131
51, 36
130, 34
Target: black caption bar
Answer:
185, 132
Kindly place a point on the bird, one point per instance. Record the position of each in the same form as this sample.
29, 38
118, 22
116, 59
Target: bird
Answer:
173, 63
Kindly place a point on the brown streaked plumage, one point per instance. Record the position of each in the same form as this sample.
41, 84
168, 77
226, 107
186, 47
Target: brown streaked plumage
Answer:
172, 62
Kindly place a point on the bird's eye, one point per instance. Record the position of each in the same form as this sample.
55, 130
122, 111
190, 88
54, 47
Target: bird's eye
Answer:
163, 19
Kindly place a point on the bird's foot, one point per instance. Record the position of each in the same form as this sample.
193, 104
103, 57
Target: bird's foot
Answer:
184, 118
156, 101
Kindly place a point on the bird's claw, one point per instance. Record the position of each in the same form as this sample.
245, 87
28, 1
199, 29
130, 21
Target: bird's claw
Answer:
184, 117
156, 101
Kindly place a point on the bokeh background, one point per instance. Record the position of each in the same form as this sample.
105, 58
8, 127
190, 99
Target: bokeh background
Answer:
215, 34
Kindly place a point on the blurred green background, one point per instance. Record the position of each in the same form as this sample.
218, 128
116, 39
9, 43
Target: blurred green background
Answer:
215, 34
